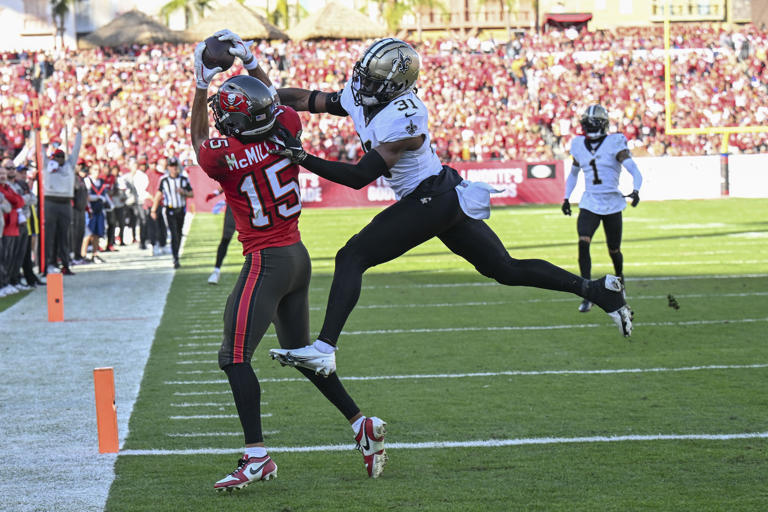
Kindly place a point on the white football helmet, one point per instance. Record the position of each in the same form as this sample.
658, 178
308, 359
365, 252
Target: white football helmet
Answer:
387, 69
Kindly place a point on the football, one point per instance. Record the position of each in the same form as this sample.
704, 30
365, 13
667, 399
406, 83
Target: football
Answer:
216, 54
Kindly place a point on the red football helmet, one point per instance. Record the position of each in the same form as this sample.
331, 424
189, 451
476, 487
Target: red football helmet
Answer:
243, 107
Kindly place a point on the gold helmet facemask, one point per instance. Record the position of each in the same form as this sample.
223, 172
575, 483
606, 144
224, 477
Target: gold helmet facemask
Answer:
388, 69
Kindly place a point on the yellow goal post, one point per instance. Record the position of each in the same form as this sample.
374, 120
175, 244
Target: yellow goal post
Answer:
726, 131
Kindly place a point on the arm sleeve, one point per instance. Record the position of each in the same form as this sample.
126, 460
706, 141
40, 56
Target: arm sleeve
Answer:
570, 181
631, 166
356, 176
76, 149
333, 104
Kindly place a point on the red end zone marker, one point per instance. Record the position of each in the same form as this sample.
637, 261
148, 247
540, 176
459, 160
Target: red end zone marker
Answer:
106, 412
55, 289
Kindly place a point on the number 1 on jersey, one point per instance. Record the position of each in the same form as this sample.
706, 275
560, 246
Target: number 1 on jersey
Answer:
596, 179
248, 189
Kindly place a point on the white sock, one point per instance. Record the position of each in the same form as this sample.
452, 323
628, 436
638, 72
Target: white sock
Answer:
324, 347
255, 451
356, 425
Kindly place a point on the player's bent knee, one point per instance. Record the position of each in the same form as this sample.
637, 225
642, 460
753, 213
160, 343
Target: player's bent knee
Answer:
585, 239
227, 357
350, 257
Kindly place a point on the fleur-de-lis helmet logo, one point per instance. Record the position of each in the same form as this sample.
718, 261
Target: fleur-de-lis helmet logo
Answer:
401, 63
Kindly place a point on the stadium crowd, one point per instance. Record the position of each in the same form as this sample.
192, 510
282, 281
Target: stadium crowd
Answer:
518, 100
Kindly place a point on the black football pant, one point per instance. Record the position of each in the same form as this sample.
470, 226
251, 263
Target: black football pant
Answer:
175, 218
273, 287
431, 210
58, 218
586, 225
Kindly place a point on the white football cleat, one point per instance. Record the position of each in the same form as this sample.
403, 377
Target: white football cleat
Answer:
585, 306
306, 357
607, 292
214, 277
248, 470
370, 442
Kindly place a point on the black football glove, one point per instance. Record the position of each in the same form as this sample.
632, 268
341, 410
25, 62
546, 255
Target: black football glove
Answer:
566, 207
635, 195
288, 145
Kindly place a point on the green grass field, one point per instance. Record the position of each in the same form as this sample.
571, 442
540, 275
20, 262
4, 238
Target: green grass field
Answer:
445, 356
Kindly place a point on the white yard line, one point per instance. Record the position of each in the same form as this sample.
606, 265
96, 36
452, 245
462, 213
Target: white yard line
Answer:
487, 443
47, 396
604, 371
428, 330
216, 434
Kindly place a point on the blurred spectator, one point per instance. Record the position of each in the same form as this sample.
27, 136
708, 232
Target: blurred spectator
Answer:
10, 230
21, 259
98, 203
79, 207
156, 225
116, 214
59, 185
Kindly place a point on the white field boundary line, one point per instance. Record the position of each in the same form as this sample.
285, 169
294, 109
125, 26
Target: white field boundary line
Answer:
493, 283
508, 373
216, 434
632, 298
489, 443
211, 416
427, 330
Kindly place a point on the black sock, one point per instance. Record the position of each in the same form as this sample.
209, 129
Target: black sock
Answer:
585, 260
618, 263
247, 394
334, 391
221, 252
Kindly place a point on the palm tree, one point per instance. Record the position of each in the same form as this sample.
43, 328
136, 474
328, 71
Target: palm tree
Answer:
393, 11
60, 10
508, 7
188, 6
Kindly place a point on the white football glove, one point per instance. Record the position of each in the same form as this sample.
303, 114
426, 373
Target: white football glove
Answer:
240, 49
203, 75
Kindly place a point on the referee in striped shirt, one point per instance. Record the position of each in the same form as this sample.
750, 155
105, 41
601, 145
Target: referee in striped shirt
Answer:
173, 190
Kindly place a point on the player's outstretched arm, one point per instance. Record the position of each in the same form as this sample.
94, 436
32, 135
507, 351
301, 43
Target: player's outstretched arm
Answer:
198, 123
315, 102
374, 163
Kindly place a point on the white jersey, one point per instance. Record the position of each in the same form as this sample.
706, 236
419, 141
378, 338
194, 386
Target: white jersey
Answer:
602, 167
404, 117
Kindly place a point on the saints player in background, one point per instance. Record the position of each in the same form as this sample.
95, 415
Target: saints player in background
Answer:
600, 156
432, 199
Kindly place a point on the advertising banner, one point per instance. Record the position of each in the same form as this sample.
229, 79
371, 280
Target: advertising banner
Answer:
521, 182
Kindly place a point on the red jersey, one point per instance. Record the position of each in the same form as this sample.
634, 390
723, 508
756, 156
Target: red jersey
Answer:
261, 189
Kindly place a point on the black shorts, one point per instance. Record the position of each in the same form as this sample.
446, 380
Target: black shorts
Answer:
273, 287
588, 221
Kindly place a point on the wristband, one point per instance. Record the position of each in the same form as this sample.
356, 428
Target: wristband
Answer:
252, 64
311, 102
